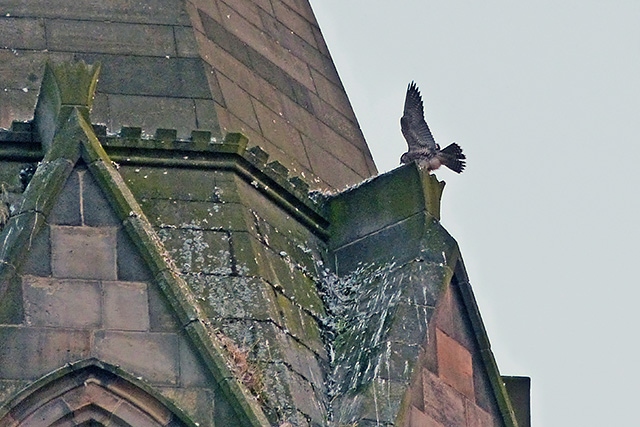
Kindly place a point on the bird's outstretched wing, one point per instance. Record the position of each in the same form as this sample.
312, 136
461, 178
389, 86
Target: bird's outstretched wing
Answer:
414, 127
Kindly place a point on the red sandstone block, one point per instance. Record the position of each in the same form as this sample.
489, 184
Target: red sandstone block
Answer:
441, 402
455, 365
418, 418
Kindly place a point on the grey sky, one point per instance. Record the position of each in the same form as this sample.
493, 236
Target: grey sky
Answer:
544, 98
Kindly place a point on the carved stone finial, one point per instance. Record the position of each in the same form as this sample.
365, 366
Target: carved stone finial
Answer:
64, 86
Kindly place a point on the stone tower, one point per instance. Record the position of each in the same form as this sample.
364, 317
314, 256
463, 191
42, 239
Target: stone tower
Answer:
163, 261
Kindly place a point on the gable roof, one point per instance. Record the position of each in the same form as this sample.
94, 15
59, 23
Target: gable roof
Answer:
62, 119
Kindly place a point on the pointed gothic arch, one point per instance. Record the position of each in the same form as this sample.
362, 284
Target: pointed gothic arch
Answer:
91, 393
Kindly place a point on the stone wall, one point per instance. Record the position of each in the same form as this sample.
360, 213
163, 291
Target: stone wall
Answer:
256, 67
84, 292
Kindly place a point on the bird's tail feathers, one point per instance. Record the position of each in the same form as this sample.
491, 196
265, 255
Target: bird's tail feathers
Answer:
452, 157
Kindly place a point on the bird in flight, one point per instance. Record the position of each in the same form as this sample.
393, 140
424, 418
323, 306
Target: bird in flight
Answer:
422, 147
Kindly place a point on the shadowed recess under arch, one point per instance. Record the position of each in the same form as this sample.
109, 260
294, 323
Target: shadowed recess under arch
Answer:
91, 392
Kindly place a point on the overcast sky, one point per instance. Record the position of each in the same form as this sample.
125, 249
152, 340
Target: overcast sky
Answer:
544, 98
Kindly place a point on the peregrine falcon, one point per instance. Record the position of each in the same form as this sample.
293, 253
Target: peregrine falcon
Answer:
422, 147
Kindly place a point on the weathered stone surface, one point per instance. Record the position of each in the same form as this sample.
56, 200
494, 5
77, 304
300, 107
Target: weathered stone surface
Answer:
160, 12
418, 418
441, 402
198, 251
126, 306
110, 37
39, 350
62, 303
153, 356
454, 364
519, 389
161, 318
22, 69
22, 33
476, 417
96, 209
131, 265
153, 76
152, 112
84, 252
192, 371
66, 210
38, 259
235, 297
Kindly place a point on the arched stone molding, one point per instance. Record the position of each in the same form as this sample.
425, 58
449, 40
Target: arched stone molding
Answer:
91, 393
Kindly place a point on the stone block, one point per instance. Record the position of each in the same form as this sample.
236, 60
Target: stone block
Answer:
175, 184
238, 101
333, 94
519, 390
38, 257
161, 317
90, 393
23, 69
15, 104
215, 32
334, 171
418, 418
303, 8
294, 284
66, 209
110, 37
150, 355
241, 74
198, 251
192, 371
204, 215
455, 365
206, 407
235, 297
441, 402
62, 303
96, 209
171, 77
83, 252
294, 22
22, 33
152, 112
11, 303
206, 115
39, 350
126, 306
380, 247
302, 326
247, 9
160, 12
267, 47
131, 265
186, 45
476, 417
385, 201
